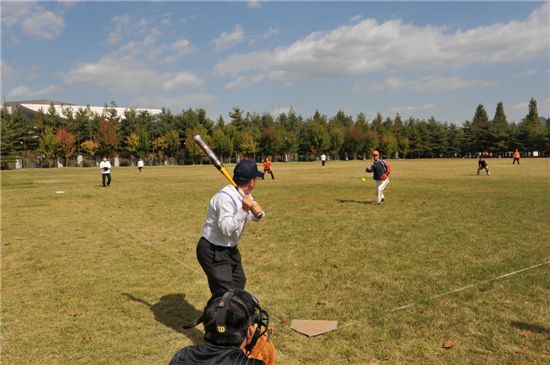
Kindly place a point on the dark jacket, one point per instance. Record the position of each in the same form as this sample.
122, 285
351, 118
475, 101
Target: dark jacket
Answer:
209, 354
378, 169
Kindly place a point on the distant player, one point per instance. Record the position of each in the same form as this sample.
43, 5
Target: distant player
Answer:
482, 165
323, 159
140, 165
380, 176
105, 167
516, 157
267, 168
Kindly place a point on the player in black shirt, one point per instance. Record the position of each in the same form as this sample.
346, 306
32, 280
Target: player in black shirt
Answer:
482, 164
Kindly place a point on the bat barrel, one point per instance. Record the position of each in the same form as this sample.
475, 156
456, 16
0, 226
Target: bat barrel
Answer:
211, 155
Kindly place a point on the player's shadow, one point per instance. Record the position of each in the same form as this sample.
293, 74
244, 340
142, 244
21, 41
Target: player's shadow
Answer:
342, 201
175, 312
532, 328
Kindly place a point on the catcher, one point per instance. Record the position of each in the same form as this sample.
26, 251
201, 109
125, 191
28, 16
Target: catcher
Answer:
236, 332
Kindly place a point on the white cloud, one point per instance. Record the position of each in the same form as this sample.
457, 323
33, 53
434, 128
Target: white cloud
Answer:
125, 70
33, 18
369, 46
411, 109
14, 12
525, 73
271, 31
179, 49
121, 23
7, 71
24, 92
253, 4
280, 110
243, 82
34, 73
46, 25
178, 103
433, 83
181, 80
228, 39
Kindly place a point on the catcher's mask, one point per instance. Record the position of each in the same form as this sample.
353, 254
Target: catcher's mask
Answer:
251, 306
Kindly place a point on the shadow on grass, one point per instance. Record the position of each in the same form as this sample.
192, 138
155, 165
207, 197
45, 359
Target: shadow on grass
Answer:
369, 202
175, 312
531, 327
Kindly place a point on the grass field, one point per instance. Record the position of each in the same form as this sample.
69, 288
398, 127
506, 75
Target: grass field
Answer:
108, 275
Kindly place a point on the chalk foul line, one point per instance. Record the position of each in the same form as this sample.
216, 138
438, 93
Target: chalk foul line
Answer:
475, 284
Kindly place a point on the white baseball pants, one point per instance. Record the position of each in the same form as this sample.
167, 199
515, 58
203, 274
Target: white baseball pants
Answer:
379, 189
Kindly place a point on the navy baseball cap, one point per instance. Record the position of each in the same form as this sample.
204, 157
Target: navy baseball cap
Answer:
244, 171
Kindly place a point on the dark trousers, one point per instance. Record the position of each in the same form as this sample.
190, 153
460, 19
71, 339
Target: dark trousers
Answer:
222, 266
268, 172
515, 159
106, 176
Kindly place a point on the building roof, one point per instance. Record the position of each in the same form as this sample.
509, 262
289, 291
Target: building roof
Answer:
34, 106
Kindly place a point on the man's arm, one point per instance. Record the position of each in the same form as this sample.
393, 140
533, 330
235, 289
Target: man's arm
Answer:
231, 216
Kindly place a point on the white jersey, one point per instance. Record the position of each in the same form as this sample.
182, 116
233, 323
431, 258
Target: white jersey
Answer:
140, 163
226, 218
105, 167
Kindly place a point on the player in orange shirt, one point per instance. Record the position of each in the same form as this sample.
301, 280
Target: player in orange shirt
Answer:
267, 168
516, 157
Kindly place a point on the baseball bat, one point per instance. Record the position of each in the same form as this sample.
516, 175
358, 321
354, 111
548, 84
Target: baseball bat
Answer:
218, 164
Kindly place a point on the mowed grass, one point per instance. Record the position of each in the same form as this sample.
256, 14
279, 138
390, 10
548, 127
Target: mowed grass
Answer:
108, 275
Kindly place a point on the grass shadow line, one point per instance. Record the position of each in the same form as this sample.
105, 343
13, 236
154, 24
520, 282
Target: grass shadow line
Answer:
368, 202
175, 312
531, 327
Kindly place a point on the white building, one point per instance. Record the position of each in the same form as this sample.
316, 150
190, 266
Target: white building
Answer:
31, 107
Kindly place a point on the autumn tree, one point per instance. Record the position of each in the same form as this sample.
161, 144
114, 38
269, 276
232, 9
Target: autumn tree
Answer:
48, 145
107, 136
90, 146
172, 142
160, 146
66, 142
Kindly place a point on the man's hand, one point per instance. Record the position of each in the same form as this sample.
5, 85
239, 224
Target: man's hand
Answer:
256, 210
248, 203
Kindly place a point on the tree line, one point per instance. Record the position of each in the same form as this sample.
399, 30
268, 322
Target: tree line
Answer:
167, 137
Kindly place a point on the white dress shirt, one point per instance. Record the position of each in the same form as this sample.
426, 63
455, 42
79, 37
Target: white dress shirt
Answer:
226, 218
106, 164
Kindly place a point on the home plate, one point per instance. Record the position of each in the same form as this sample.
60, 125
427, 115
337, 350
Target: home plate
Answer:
313, 327
60, 192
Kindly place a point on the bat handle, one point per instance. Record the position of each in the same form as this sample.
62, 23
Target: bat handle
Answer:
258, 215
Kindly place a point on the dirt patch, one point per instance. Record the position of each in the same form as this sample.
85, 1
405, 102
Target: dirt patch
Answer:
47, 181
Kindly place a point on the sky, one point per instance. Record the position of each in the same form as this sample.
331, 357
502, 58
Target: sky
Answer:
418, 59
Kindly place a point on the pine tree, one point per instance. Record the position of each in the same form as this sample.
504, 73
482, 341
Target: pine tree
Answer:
500, 130
480, 128
531, 132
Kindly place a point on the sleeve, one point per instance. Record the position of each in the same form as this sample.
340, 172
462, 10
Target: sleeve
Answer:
231, 217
